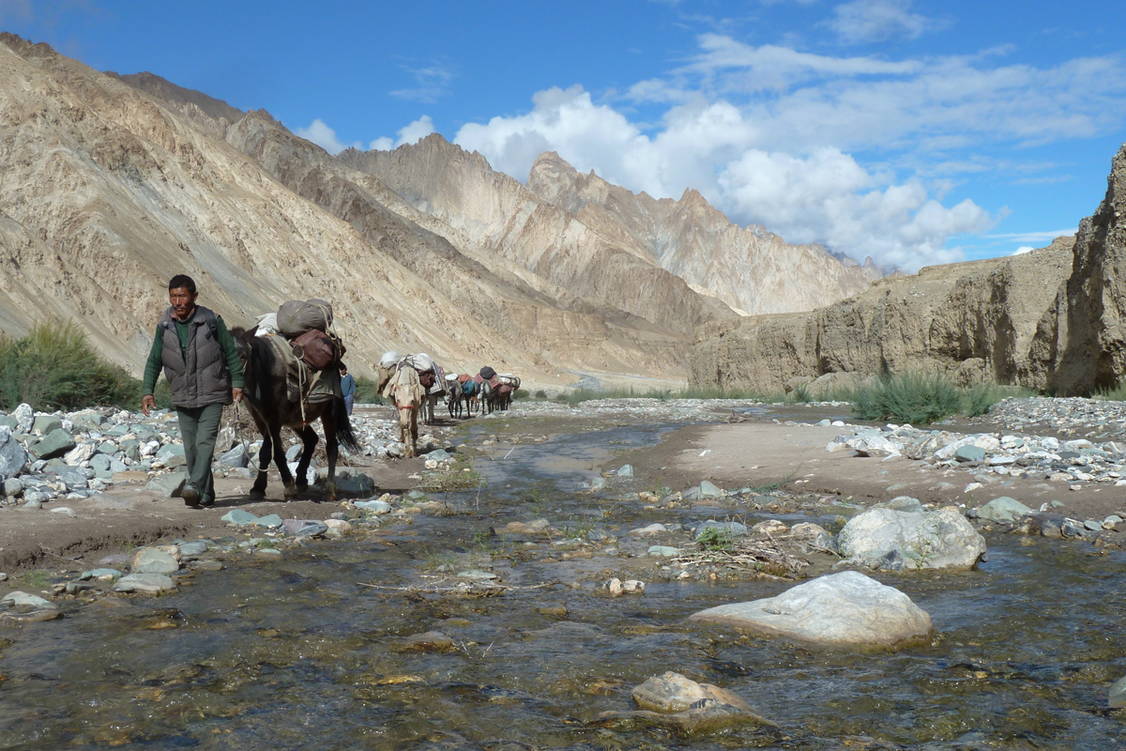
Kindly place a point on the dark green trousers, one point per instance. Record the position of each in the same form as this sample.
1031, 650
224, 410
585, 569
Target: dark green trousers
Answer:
199, 427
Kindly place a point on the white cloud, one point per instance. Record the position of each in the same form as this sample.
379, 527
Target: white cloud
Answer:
862, 21
821, 196
1022, 250
412, 132
855, 152
321, 134
1034, 237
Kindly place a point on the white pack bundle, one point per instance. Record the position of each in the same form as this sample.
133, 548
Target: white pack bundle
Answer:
389, 359
267, 325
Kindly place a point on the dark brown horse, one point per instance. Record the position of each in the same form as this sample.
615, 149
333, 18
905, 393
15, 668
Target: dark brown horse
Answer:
267, 398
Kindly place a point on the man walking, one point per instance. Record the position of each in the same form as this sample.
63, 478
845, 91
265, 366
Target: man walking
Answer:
198, 356
347, 387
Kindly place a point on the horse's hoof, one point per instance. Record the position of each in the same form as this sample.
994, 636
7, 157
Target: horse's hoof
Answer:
256, 495
291, 492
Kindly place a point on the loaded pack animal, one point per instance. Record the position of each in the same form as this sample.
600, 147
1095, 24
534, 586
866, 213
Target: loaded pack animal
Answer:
272, 406
408, 394
497, 390
463, 390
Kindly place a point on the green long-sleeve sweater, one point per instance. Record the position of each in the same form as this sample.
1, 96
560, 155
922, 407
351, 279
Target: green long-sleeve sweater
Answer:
154, 365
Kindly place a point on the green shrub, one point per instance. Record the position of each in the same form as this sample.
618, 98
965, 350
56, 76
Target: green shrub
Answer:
1116, 394
921, 398
916, 398
54, 367
714, 538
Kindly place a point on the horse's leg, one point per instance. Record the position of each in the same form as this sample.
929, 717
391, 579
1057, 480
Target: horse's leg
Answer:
414, 432
332, 451
258, 490
279, 459
308, 438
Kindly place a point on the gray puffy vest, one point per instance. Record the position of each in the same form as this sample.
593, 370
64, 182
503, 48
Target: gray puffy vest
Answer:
198, 376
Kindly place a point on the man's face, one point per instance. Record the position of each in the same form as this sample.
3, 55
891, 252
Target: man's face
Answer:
182, 301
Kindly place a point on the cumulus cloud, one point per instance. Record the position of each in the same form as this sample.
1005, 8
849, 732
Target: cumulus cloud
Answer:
856, 152
324, 136
863, 21
821, 196
410, 133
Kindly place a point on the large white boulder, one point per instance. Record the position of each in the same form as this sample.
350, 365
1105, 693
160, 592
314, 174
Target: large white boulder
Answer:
848, 608
883, 538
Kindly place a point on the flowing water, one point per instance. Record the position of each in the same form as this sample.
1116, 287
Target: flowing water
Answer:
297, 653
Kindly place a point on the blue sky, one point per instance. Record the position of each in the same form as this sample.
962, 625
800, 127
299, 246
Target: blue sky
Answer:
914, 132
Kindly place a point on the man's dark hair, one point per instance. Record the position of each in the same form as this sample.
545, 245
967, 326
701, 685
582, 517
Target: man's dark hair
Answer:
182, 280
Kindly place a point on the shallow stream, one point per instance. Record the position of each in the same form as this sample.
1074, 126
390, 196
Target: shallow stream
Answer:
297, 653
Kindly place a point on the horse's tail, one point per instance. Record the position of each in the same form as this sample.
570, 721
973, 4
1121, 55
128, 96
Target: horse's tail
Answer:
344, 435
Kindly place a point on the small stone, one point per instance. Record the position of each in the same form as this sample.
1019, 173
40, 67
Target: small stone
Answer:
373, 507
477, 575
56, 443
239, 518
152, 584
969, 454
270, 521
430, 641
268, 553
158, 559
1093, 525
1003, 509
100, 574
190, 550
663, 551
304, 527
168, 485
649, 530
626, 470
24, 599
64, 511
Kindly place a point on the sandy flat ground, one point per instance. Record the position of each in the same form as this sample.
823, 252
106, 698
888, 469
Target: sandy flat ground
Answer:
758, 453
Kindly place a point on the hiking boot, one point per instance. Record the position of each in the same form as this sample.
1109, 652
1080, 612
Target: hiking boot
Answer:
190, 496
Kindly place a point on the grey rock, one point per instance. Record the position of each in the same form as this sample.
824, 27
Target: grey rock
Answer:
152, 584
843, 608
1093, 525
13, 457
101, 574
44, 424
239, 518
728, 529
373, 507
902, 503
663, 551
24, 599
1073, 528
24, 416
163, 559
12, 487
440, 455
190, 550
304, 527
270, 521
626, 470
710, 490
56, 443
1117, 695
8, 422
239, 456
168, 485
935, 539
1004, 509
970, 454
813, 537
351, 482
649, 530
293, 453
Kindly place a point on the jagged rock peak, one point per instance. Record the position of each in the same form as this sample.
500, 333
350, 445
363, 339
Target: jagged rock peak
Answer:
164, 89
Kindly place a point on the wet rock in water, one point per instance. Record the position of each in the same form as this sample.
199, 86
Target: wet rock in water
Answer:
553, 611
238, 517
813, 537
901, 503
626, 470
616, 587
887, 539
158, 559
1112, 521
100, 574
152, 584
373, 507
269, 553
649, 530
663, 551
54, 444
304, 527
477, 574
837, 609
190, 550
25, 600
168, 485
1003, 509
430, 641
671, 700
1117, 696
337, 527
538, 526
724, 529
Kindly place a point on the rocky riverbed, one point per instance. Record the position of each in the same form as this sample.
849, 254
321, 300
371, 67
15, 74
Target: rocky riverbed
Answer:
537, 586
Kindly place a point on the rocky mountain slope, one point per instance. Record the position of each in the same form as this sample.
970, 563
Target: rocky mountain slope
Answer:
584, 234
1048, 319
109, 184
749, 268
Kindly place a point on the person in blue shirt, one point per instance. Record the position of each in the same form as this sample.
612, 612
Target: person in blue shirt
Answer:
347, 387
